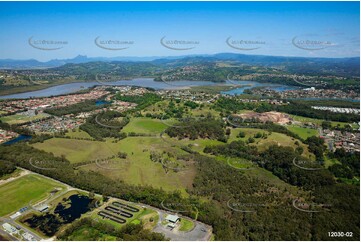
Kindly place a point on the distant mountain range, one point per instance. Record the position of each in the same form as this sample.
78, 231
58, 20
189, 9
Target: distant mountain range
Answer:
246, 59
35, 64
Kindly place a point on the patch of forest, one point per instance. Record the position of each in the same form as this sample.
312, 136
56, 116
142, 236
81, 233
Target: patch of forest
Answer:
105, 124
274, 218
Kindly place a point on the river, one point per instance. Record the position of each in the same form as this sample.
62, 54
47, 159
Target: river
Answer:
142, 82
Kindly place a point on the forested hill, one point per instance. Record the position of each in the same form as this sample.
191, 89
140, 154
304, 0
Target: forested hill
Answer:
305, 65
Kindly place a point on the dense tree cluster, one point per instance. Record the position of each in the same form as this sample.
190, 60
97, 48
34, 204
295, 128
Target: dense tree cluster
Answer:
350, 164
317, 146
6, 167
232, 105
103, 125
142, 101
191, 104
207, 128
305, 110
301, 108
274, 219
47, 223
129, 232
234, 149
278, 160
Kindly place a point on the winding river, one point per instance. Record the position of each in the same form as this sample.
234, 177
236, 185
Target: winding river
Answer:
142, 82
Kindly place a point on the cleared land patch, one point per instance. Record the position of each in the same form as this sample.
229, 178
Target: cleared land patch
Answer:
139, 169
19, 118
77, 133
273, 138
136, 169
76, 150
144, 125
304, 133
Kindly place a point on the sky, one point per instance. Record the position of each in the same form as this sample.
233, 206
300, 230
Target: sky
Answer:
60, 30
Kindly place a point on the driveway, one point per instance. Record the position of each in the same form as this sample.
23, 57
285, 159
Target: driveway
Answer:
196, 234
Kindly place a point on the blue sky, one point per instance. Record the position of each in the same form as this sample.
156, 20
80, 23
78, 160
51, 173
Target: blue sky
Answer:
273, 25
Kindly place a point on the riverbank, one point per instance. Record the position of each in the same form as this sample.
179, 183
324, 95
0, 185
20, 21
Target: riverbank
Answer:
68, 88
78, 86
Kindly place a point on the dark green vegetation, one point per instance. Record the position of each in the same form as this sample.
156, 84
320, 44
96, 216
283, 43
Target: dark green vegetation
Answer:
88, 229
65, 212
317, 146
105, 124
278, 160
304, 109
219, 192
232, 105
6, 167
330, 103
301, 108
220, 183
193, 129
350, 164
142, 102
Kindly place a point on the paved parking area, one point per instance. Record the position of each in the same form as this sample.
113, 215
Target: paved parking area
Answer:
201, 231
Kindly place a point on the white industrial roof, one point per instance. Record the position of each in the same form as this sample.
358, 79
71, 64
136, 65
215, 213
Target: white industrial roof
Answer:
172, 218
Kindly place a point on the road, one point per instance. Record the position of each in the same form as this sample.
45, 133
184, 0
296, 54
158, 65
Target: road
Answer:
7, 219
6, 235
195, 234
15, 224
200, 232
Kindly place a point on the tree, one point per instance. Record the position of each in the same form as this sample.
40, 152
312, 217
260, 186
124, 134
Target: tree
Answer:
299, 150
326, 125
251, 140
241, 134
258, 135
6, 167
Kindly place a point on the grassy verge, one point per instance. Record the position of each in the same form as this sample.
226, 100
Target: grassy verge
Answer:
185, 225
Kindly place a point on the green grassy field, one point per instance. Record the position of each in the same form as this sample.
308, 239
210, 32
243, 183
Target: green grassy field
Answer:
319, 121
185, 225
273, 139
262, 144
145, 125
18, 119
76, 150
304, 133
160, 107
137, 168
18, 193
78, 134
329, 162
